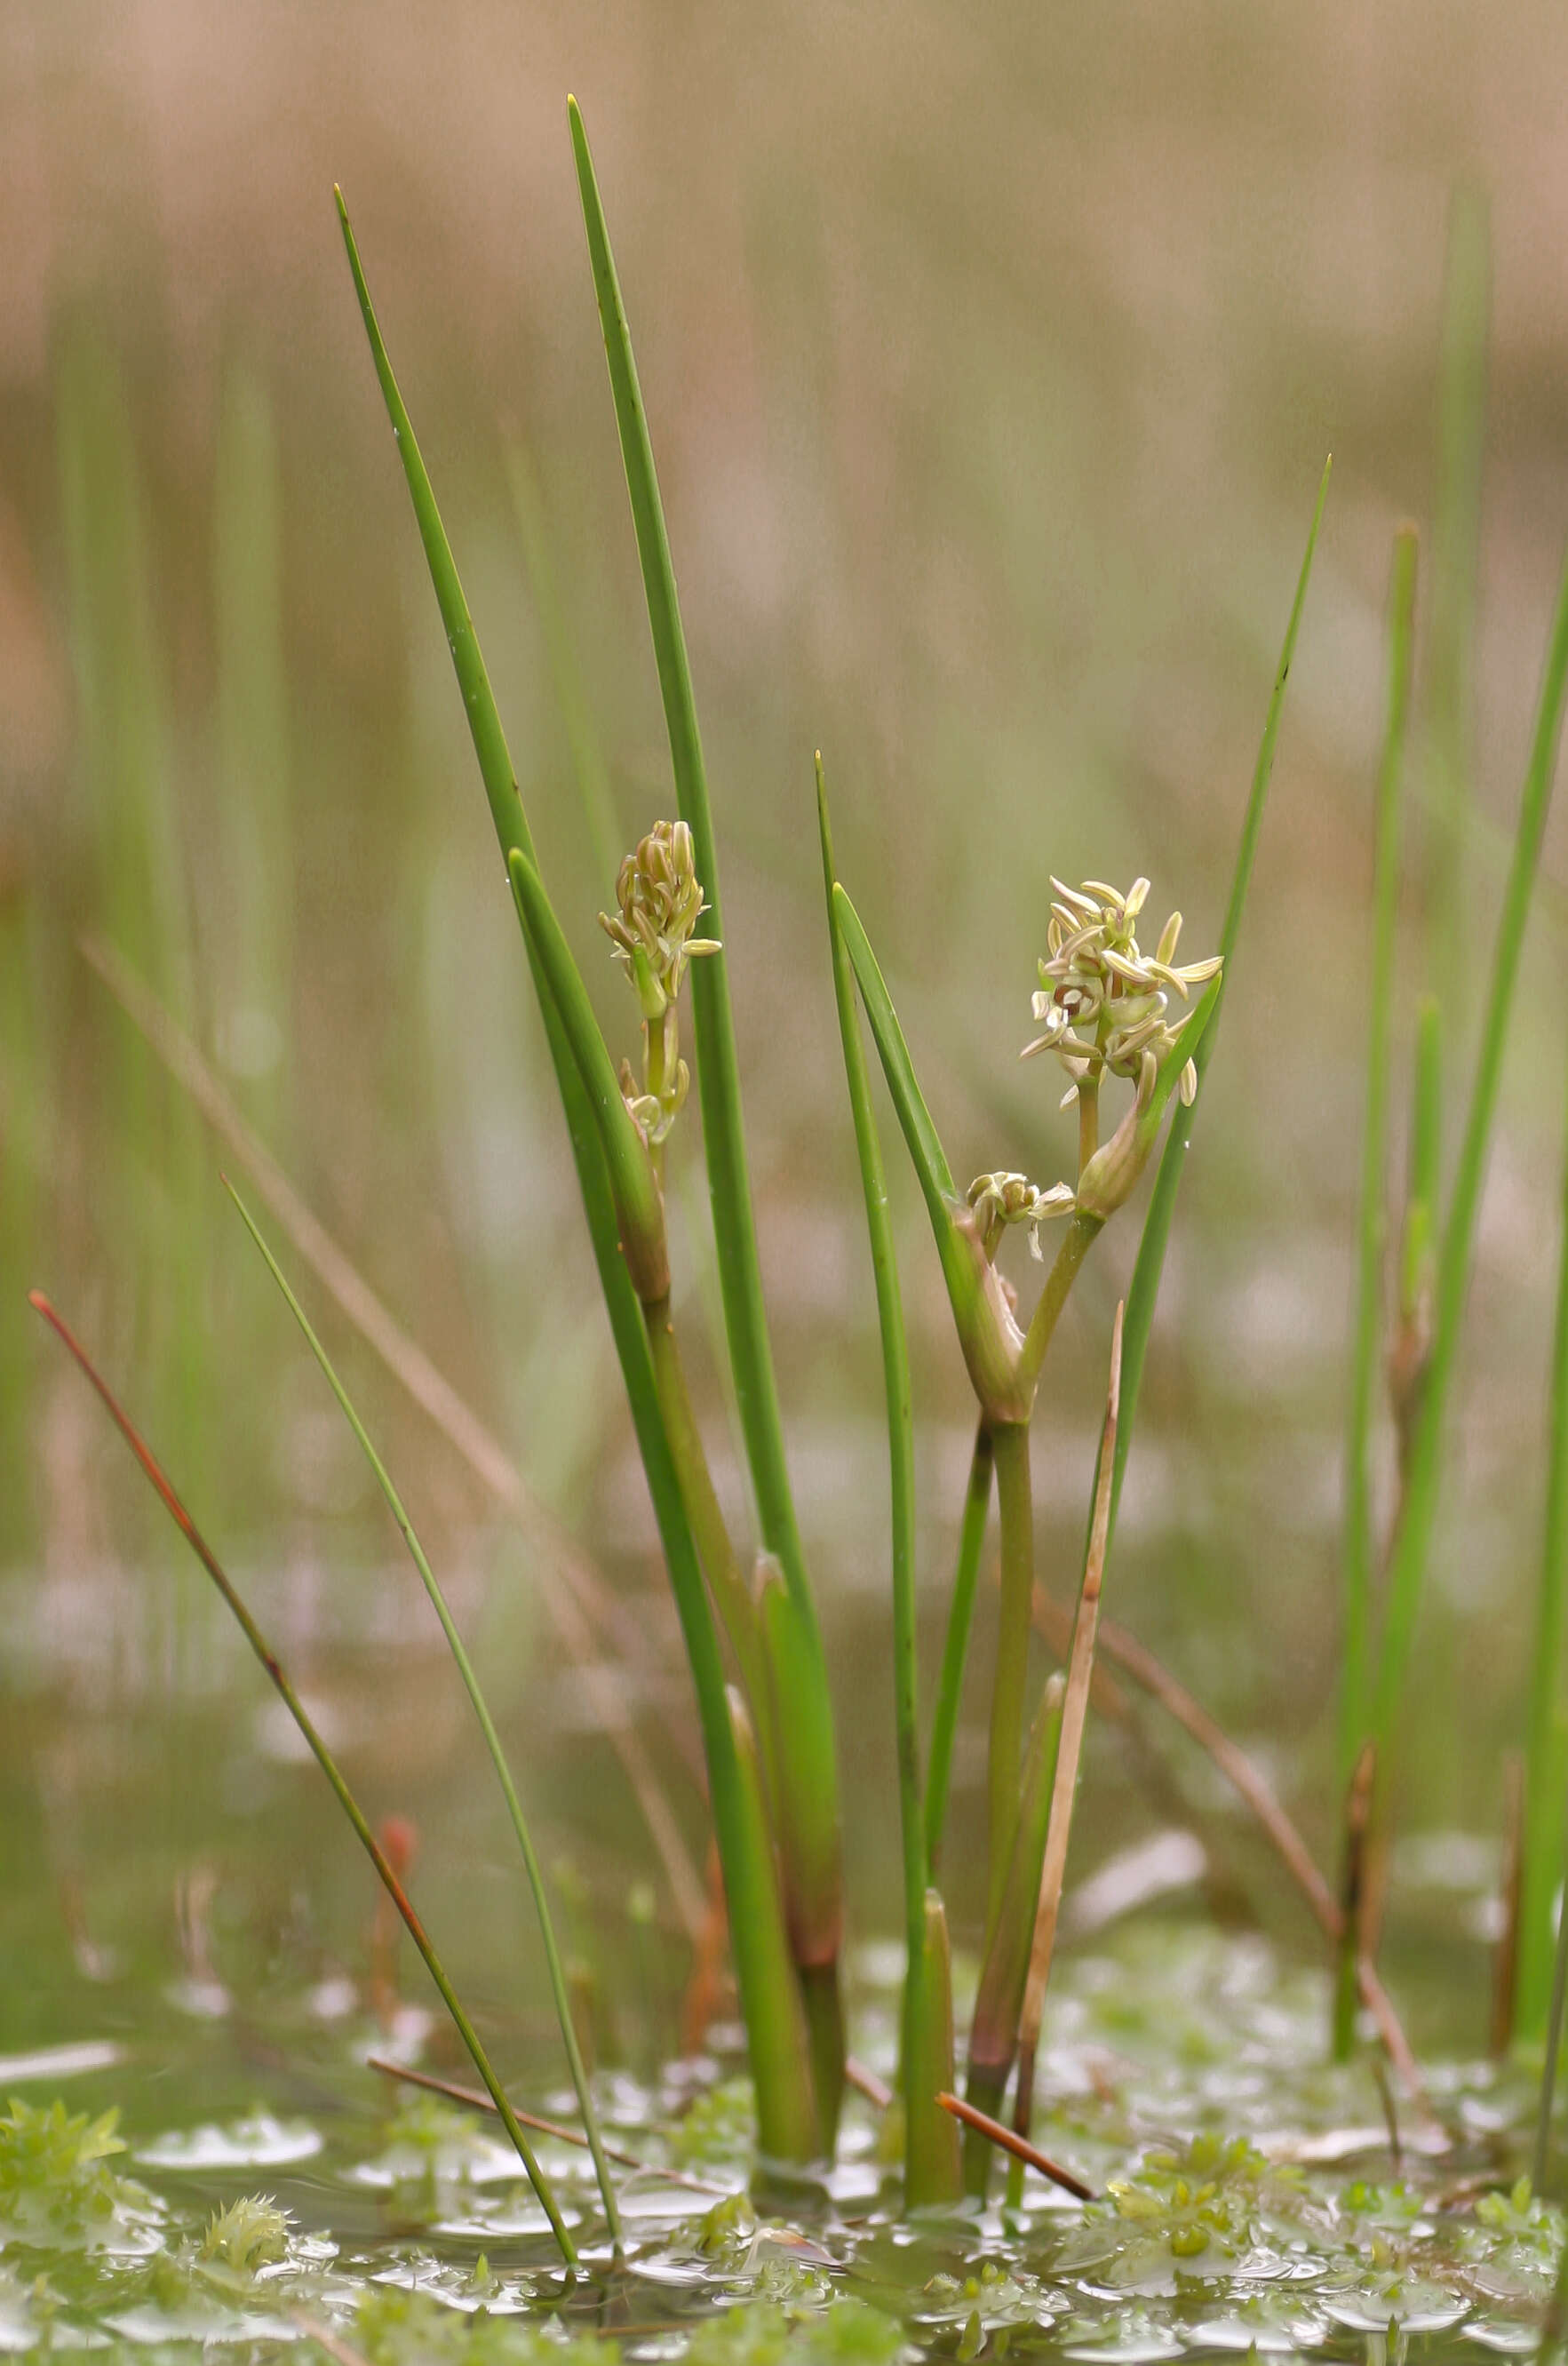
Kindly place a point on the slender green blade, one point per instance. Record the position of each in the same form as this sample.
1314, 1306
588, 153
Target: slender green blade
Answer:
955, 1644
1452, 638
1546, 1748
718, 1073
1424, 1470
163, 1488
932, 2171
749, 1878
925, 2143
810, 1771
929, 1159
513, 837
1372, 1229
481, 1712
1150, 1264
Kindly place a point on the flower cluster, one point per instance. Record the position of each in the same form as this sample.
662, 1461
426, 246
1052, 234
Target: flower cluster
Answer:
998, 1200
1103, 1002
660, 901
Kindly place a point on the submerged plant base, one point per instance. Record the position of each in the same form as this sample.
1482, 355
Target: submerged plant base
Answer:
1249, 2199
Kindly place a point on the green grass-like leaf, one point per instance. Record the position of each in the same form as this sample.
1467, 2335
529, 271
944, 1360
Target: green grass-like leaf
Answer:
167, 1494
809, 1772
1546, 1747
471, 1686
1144, 1289
922, 2156
955, 1643
1372, 1228
1408, 1562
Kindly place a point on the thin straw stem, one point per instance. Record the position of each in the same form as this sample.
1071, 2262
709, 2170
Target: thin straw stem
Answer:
464, 1666
1069, 1751
164, 1487
1373, 1223
1007, 2140
405, 2075
955, 1647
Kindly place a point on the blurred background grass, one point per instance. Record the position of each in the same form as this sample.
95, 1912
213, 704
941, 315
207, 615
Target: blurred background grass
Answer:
991, 359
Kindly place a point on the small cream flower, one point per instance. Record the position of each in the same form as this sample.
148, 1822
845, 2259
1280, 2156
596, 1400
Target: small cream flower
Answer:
660, 901
1103, 1003
1001, 1200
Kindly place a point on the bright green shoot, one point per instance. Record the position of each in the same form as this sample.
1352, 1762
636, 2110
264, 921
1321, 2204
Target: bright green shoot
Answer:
465, 1667
1373, 1227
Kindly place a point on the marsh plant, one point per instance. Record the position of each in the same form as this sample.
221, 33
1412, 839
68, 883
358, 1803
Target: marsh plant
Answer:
1124, 1021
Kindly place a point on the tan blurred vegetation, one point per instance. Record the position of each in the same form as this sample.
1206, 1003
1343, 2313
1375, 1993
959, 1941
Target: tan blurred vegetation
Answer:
991, 358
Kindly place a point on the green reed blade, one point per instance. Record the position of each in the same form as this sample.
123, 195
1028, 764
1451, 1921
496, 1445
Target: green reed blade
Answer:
1150, 1263
931, 1169
749, 1877
956, 1645
1005, 1744
255, 810
595, 794
481, 1711
1451, 637
793, 2134
1408, 1562
1553, 2048
1419, 1242
1004, 1967
989, 1336
164, 1489
932, 2169
1371, 1229
809, 1772
718, 1073
513, 836
919, 2125
1546, 1747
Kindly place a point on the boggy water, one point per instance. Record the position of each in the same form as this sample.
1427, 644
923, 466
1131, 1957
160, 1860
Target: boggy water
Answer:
1253, 2200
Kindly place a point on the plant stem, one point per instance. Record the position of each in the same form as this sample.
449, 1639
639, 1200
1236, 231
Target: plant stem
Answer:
955, 1648
1145, 1290
1546, 1762
928, 2134
732, 1597
1016, 1514
164, 1487
817, 1909
1080, 1235
1413, 1539
455, 1644
1371, 1227
1074, 1717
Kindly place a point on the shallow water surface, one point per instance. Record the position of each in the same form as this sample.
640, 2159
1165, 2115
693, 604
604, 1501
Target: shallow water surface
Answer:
1251, 2196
